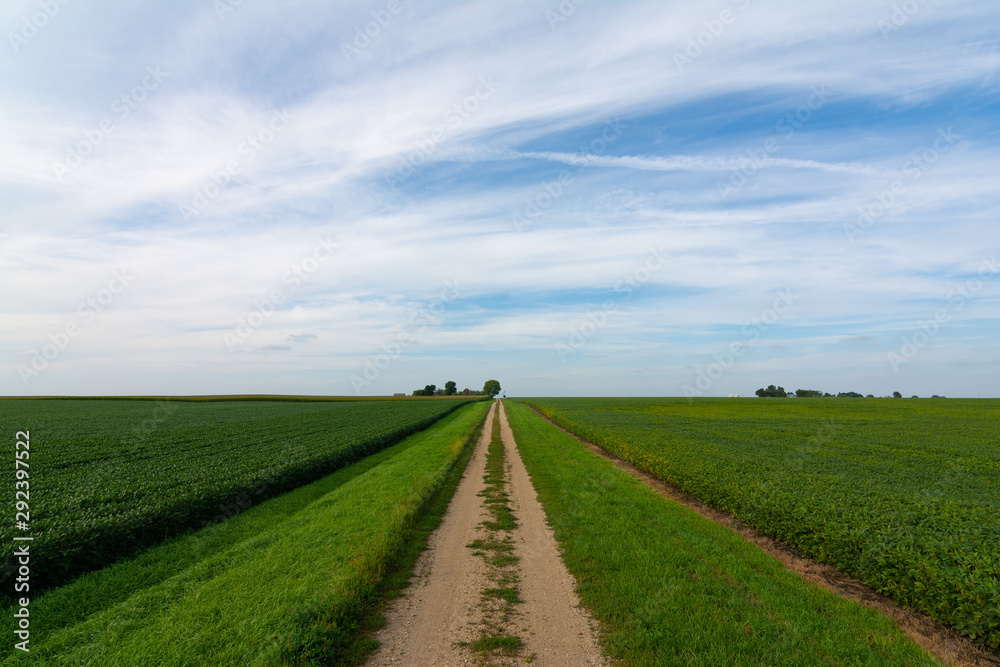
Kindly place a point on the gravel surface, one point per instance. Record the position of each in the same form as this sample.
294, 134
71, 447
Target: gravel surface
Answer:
443, 604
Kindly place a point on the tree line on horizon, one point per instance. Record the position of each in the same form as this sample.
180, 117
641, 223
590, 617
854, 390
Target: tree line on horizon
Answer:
779, 392
491, 388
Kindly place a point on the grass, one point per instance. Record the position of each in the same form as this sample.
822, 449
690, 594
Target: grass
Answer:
400, 568
495, 494
903, 494
112, 477
508, 594
505, 644
286, 582
673, 588
495, 548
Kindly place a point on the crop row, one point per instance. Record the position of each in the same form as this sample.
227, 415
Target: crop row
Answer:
286, 582
903, 494
111, 477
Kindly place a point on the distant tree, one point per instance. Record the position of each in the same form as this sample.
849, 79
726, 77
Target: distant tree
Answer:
870, 396
914, 396
430, 390
896, 394
491, 388
807, 393
450, 388
772, 392
849, 394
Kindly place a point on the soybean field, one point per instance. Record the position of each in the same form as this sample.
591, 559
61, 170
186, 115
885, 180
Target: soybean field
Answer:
901, 493
111, 477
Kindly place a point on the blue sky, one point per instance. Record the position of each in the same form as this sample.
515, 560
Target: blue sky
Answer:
576, 198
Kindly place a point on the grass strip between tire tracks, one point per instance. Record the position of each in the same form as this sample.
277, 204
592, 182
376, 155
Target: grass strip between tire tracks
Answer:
496, 550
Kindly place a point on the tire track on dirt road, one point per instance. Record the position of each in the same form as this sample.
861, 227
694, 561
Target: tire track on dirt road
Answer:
560, 632
443, 605
440, 607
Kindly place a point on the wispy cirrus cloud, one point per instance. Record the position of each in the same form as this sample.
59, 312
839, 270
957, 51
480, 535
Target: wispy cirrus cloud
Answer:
409, 98
687, 162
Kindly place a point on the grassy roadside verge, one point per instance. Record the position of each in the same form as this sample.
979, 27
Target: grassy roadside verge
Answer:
901, 494
674, 588
114, 477
283, 583
400, 567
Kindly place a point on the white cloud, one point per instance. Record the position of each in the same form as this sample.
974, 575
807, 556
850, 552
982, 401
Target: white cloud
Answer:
550, 92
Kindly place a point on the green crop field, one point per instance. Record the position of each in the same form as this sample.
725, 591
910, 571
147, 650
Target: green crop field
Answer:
285, 582
675, 588
901, 493
109, 477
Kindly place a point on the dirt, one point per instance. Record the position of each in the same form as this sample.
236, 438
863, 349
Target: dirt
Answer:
560, 632
944, 643
443, 606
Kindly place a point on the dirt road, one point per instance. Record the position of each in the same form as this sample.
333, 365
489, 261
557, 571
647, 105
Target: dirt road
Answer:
443, 605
